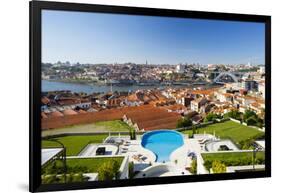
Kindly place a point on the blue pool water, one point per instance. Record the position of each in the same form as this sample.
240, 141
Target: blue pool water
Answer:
162, 143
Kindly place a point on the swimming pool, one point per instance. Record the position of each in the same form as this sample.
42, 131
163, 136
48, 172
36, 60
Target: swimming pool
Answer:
162, 143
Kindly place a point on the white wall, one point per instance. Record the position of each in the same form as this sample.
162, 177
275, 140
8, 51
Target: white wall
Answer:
14, 90
124, 168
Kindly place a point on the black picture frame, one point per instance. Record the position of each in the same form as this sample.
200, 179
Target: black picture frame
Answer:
35, 93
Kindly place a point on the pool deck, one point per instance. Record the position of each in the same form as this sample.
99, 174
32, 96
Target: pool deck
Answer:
162, 169
141, 157
181, 155
144, 158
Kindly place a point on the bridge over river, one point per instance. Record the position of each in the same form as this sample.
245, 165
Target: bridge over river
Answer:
223, 77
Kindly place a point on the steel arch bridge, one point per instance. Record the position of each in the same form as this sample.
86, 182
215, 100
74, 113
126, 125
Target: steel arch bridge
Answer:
235, 79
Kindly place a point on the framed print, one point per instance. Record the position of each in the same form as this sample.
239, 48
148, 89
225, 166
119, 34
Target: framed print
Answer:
126, 96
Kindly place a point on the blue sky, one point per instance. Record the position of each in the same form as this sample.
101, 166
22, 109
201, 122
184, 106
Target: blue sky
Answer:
109, 38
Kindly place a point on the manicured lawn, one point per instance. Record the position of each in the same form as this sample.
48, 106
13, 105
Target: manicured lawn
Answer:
74, 144
116, 125
80, 165
231, 155
103, 126
229, 129
233, 158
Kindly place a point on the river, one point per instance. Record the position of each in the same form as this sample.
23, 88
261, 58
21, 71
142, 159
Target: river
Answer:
75, 87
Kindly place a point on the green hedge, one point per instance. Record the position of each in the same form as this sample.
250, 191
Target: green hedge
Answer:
233, 158
56, 179
77, 165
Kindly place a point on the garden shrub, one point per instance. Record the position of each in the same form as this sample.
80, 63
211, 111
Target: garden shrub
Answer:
109, 170
193, 168
218, 167
234, 160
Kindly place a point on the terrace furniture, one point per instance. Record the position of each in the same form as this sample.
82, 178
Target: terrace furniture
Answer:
192, 155
100, 151
137, 158
143, 158
224, 148
202, 141
110, 141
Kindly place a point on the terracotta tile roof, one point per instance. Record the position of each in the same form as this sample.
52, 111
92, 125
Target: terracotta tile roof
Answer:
68, 101
175, 107
227, 94
148, 116
45, 100
132, 97
81, 111
199, 100
69, 112
43, 115
56, 114
153, 118
203, 92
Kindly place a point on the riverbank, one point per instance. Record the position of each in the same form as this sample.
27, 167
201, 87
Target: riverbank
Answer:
98, 83
72, 81
53, 85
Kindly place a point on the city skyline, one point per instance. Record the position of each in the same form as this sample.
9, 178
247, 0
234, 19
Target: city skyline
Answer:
113, 38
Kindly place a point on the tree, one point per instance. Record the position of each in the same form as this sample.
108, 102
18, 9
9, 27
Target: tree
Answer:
211, 117
218, 167
69, 178
259, 123
248, 143
248, 114
131, 170
194, 130
251, 118
132, 133
235, 114
78, 177
49, 179
193, 168
115, 167
184, 122
108, 170
251, 121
